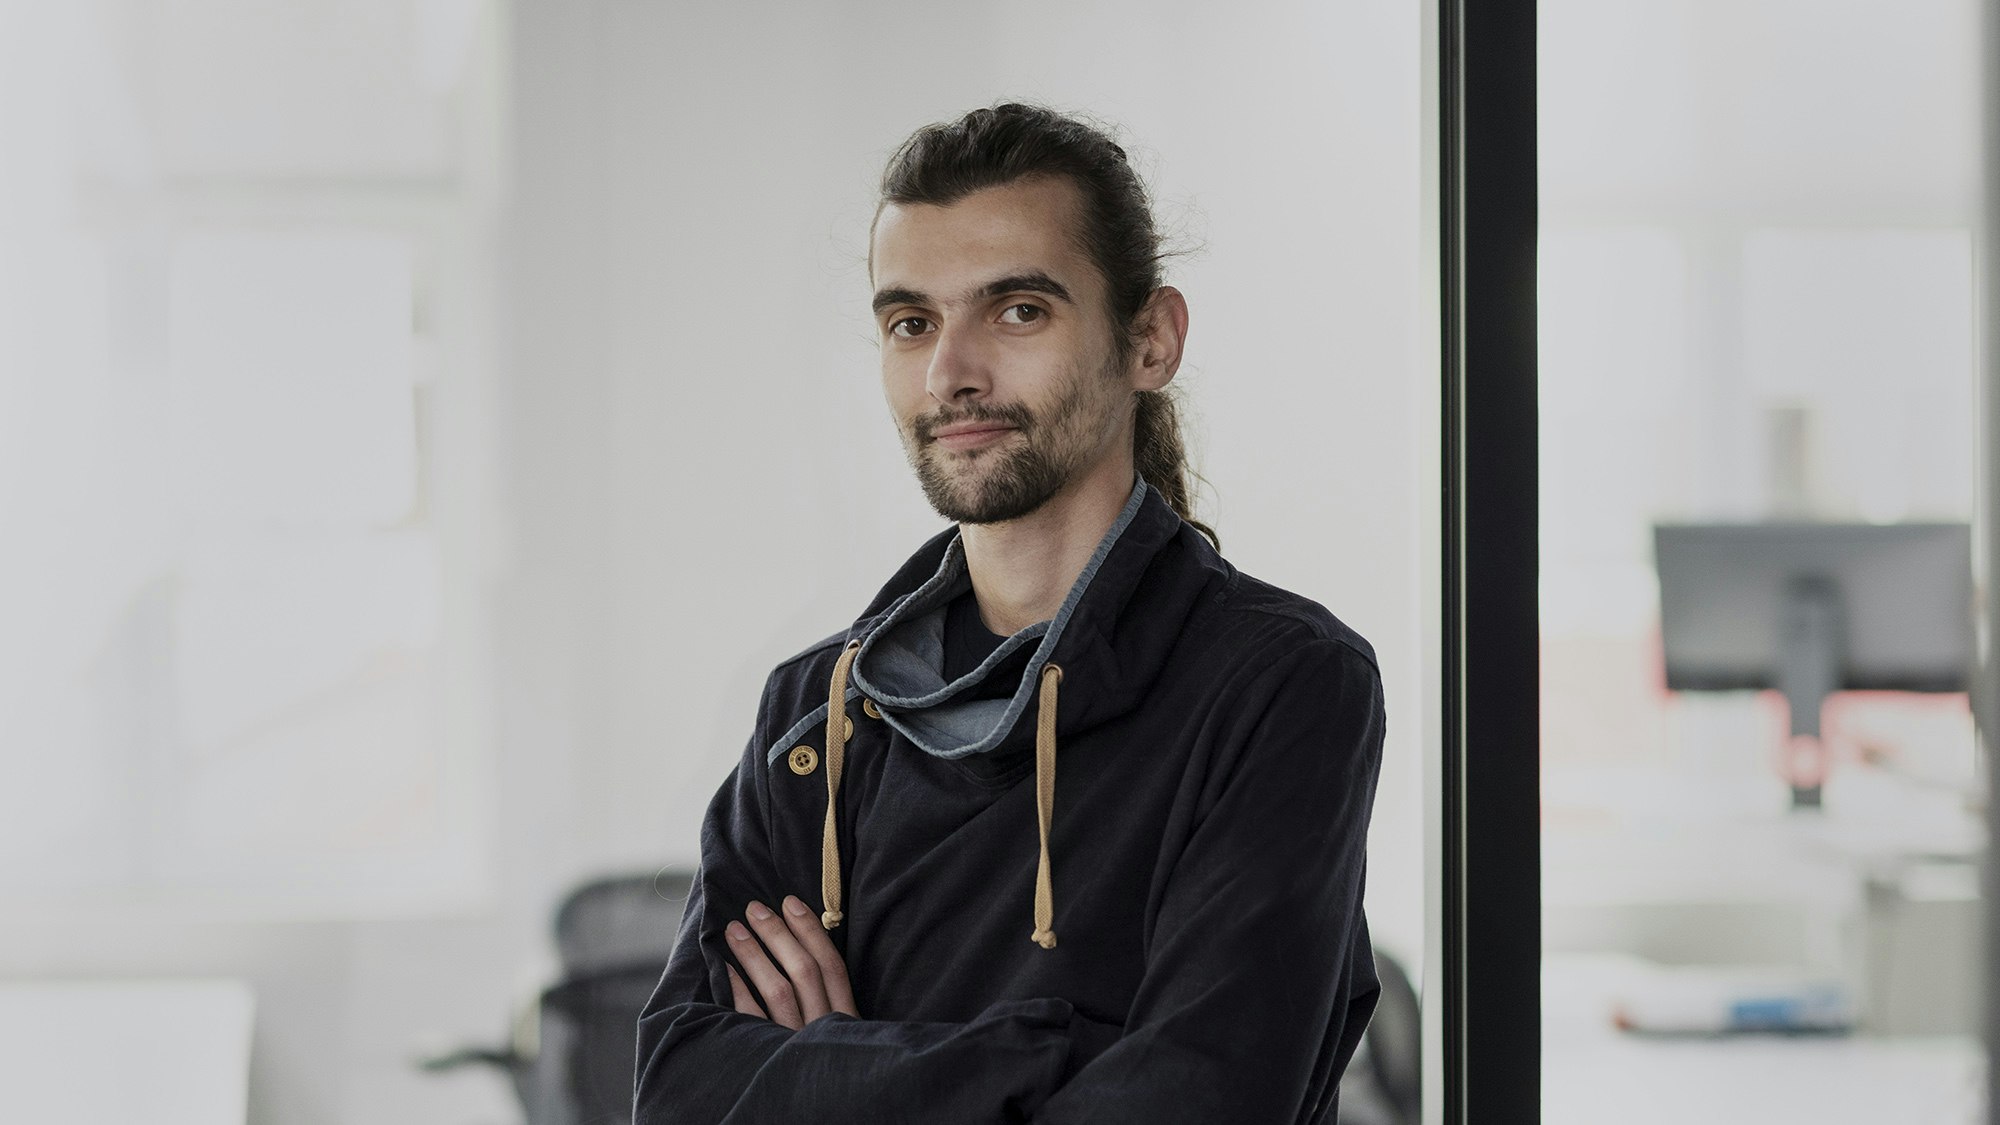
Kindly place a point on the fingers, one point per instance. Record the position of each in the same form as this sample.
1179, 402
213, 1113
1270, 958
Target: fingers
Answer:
801, 968
771, 983
792, 963
819, 946
739, 993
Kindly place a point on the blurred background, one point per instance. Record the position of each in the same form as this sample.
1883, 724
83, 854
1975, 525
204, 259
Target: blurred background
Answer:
424, 422
1758, 379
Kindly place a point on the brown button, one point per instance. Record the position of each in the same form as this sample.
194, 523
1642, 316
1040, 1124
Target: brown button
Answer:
869, 709
847, 726
804, 760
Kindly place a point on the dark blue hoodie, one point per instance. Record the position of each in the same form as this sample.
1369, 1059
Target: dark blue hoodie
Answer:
1171, 932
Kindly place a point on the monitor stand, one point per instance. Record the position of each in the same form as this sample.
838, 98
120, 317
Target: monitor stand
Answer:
1810, 630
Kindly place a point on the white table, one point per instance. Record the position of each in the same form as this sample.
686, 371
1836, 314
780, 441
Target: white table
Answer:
1592, 1073
163, 1052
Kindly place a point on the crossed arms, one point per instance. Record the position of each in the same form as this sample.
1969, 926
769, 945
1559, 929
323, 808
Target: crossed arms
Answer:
1247, 1010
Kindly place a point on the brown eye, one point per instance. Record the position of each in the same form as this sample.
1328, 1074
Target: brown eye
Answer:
910, 326
1023, 314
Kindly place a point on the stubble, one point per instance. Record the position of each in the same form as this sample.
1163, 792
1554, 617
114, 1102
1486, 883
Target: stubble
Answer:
1010, 480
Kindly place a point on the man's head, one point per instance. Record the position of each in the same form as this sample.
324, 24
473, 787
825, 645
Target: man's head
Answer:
1026, 333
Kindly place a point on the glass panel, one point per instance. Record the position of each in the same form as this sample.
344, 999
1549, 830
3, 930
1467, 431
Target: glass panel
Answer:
1762, 804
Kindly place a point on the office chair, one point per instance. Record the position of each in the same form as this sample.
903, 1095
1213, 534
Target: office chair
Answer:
572, 1056
1384, 1081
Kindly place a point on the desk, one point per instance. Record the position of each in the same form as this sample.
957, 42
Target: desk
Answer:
1592, 1073
163, 1052
1694, 869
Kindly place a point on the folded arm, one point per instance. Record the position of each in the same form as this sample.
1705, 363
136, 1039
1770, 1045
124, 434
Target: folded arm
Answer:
702, 1060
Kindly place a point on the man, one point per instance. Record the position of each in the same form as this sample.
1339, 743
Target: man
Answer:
874, 933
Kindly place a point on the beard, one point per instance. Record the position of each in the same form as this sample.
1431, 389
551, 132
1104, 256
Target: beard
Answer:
1010, 479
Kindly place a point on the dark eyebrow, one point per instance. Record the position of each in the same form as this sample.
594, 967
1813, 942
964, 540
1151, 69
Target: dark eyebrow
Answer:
887, 297
1034, 281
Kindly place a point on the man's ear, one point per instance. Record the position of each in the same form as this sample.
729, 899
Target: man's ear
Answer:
1163, 325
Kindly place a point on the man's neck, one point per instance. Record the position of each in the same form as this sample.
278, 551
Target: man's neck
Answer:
1022, 569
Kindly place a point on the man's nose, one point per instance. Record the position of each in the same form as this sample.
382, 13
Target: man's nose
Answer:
960, 365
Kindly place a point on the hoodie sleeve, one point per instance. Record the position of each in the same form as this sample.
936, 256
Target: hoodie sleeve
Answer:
701, 1061
1259, 977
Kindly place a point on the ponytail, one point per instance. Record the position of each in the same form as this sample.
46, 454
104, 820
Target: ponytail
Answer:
1161, 457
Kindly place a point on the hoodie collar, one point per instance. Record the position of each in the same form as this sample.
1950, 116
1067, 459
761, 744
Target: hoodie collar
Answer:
1106, 662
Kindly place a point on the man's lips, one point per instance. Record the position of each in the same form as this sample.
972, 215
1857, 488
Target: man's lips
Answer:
966, 435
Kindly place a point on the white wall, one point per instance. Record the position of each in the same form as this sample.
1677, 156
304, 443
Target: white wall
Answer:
130, 128
696, 410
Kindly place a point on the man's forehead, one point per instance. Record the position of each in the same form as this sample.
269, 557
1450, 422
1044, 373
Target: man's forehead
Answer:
1015, 228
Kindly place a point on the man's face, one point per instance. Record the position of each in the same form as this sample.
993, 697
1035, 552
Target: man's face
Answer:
998, 357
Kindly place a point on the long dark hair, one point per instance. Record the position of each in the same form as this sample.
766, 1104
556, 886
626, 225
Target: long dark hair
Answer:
943, 163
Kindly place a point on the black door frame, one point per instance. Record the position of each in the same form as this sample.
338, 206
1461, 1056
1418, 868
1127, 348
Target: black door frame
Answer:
1491, 801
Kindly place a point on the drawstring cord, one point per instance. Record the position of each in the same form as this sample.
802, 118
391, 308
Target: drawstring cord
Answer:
1045, 804
1045, 796
836, 751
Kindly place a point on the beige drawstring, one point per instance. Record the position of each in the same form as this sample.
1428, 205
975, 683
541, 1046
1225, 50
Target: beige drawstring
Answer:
1045, 801
1045, 796
836, 750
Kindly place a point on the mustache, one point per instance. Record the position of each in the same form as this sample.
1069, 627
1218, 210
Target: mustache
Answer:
1012, 414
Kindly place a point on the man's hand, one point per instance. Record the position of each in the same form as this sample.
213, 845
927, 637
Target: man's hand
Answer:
808, 978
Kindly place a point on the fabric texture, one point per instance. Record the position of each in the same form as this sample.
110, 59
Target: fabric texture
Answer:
967, 644
1197, 834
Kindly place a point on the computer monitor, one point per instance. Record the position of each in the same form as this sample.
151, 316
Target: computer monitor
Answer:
1813, 608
